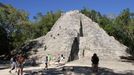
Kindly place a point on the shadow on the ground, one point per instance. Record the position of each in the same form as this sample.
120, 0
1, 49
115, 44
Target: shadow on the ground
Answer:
129, 59
50, 71
77, 70
4, 66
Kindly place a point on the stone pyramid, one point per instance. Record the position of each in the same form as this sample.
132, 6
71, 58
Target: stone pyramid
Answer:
77, 36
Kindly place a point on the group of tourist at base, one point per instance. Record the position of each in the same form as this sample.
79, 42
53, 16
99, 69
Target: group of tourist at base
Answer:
17, 62
49, 58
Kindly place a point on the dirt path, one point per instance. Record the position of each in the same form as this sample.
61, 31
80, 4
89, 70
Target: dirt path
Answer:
80, 67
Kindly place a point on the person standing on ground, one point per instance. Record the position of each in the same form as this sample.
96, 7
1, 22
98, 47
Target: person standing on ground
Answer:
13, 64
49, 59
20, 62
95, 62
60, 59
46, 62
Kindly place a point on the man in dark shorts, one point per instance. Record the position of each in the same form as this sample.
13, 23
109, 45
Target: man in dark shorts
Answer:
46, 62
20, 62
95, 62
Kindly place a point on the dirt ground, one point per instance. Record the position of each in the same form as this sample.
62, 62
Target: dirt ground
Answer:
79, 67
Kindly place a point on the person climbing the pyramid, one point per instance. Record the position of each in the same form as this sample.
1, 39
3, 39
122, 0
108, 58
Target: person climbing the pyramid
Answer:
95, 62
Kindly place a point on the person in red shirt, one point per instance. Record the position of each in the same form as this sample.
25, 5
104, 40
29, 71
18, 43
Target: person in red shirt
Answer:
20, 62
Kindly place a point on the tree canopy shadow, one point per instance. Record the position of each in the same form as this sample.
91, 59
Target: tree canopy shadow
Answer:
78, 70
75, 70
129, 59
50, 71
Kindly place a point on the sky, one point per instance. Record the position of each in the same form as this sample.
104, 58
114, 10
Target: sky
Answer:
103, 6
